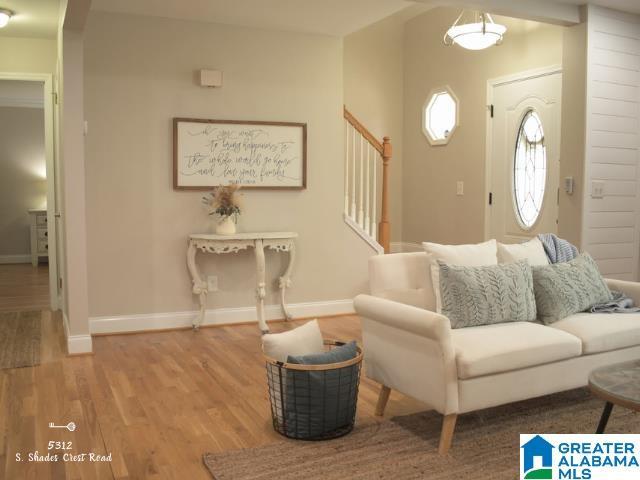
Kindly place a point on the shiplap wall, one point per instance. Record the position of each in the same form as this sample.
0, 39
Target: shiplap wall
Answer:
611, 224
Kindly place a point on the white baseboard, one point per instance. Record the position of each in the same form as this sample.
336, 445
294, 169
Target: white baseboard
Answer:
10, 259
76, 344
402, 247
219, 316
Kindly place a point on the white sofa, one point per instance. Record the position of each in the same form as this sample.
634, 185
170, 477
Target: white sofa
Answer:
410, 348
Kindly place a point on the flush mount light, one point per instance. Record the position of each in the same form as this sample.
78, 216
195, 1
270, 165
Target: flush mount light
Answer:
478, 33
5, 16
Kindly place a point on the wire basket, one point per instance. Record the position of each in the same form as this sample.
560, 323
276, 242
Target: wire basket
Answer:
314, 402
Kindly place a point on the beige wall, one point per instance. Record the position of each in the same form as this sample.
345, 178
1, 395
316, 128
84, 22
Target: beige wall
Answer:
139, 74
431, 209
572, 152
27, 55
23, 183
373, 92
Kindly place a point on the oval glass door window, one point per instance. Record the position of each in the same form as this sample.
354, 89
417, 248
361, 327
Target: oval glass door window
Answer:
529, 170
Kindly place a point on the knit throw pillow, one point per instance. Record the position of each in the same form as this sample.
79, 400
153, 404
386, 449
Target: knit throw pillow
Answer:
473, 296
563, 289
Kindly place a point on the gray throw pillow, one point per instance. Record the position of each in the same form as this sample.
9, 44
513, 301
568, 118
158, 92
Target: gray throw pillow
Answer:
563, 289
320, 401
473, 296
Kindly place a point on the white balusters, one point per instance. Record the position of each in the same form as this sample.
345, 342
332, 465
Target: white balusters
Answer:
374, 203
353, 177
367, 215
361, 189
346, 168
360, 180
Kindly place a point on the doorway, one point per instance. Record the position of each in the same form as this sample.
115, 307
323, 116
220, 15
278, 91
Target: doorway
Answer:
523, 152
28, 247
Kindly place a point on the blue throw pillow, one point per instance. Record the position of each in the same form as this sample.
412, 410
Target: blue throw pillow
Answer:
335, 355
320, 401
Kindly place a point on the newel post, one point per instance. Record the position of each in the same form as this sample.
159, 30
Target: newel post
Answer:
384, 229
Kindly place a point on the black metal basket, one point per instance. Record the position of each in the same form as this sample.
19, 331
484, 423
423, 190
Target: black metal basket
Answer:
314, 402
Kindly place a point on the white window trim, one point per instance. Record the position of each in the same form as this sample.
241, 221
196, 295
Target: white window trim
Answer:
425, 130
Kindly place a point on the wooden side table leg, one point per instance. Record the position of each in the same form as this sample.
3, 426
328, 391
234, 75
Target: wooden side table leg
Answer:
261, 286
604, 419
199, 287
285, 281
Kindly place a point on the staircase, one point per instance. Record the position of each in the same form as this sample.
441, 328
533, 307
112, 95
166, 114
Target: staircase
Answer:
366, 172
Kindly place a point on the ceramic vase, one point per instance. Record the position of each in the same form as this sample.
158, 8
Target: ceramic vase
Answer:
226, 226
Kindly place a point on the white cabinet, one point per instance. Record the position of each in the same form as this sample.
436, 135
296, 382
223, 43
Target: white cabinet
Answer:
39, 235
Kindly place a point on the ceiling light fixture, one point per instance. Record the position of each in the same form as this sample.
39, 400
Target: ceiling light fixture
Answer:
480, 33
5, 16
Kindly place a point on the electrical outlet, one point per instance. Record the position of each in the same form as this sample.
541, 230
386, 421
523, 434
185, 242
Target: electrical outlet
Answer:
597, 189
460, 188
212, 283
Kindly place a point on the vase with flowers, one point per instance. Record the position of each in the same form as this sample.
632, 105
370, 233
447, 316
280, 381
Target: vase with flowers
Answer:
224, 202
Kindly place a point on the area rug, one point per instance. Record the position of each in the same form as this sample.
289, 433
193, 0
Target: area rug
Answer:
20, 334
485, 445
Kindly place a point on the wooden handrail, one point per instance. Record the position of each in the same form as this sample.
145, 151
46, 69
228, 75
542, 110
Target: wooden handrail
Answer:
363, 131
385, 150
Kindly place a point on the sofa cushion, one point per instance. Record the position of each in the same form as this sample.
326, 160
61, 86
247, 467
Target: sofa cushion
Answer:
531, 251
474, 255
490, 349
602, 332
473, 296
563, 289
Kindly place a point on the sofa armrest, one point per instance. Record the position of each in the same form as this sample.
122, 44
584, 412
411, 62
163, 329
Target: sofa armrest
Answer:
631, 289
405, 317
410, 350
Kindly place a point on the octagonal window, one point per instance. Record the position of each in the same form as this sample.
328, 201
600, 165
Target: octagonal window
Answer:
440, 116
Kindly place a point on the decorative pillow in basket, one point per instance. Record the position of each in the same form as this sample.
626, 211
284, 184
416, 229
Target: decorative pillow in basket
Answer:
313, 395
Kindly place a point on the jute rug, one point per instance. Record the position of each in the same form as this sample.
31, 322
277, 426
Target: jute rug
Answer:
485, 445
20, 339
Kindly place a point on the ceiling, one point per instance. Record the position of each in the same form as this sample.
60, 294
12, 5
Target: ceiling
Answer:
632, 6
20, 93
39, 18
330, 17
32, 18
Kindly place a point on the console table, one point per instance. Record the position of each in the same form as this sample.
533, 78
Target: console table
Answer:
212, 243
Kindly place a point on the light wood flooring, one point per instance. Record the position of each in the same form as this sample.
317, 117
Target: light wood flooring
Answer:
155, 401
24, 287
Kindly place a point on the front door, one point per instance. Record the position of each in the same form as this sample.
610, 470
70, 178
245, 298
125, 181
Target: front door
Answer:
524, 157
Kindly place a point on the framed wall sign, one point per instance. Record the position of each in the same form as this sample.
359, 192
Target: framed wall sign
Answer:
208, 153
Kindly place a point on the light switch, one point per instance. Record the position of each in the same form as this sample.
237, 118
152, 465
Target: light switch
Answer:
597, 189
460, 188
212, 283
568, 185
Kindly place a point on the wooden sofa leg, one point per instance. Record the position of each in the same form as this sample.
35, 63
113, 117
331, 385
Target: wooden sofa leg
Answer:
383, 398
446, 435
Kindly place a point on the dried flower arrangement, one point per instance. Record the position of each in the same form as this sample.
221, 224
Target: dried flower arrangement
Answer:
223, 201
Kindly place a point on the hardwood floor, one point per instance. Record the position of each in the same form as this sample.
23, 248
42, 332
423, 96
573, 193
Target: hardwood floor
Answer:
155, 401
24, 287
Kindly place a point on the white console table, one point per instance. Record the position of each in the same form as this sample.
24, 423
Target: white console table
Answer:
212, 243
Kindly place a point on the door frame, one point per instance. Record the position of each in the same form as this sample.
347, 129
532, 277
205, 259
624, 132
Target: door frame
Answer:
492, 83
50, 160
